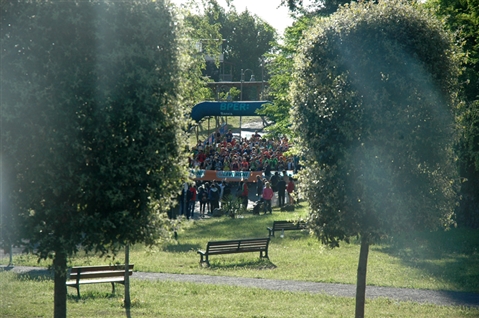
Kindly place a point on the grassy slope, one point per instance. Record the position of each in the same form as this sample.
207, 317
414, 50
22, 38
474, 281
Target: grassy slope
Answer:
446, 260
26, 297
439, 261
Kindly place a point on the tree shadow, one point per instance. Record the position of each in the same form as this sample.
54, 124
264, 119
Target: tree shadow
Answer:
229, 264
92, 295
32, 274
181, 248
294, 235
451, 256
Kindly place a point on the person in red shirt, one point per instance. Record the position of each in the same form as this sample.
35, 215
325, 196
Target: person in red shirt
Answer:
244, 194
290, 190
267, 197
192, 201
224, 143
201, 158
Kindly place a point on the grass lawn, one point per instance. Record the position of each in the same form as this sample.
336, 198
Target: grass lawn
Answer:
439, 261
25, 297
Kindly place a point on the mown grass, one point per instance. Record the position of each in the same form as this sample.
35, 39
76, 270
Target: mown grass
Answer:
25, 297
438, 261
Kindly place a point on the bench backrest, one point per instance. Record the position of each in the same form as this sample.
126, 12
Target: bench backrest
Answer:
288, 225
89, 272
237, 246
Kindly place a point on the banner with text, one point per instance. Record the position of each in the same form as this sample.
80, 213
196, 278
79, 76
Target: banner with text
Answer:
210, 175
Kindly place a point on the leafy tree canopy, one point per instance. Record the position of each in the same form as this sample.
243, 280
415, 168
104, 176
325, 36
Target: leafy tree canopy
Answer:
374, 92
308, 7
245, 38
280, 68
463, 17
90, 124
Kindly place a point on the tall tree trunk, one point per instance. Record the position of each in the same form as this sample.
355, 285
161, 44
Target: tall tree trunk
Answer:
361, 279
60, 289
127, 301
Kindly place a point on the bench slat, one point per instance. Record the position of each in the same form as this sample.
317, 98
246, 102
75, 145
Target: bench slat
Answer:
96, 281
89, 275
99, 268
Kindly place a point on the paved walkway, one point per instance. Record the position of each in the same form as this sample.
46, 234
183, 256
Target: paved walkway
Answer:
447, 298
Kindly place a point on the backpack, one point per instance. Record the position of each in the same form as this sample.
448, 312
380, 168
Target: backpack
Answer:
203, 195
274, 183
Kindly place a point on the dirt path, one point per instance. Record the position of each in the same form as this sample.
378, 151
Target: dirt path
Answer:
447, 298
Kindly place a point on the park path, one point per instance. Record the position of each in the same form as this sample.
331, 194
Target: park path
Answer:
446, 298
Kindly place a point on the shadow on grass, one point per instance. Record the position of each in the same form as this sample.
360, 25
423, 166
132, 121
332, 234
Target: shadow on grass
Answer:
92, 295
293, 235
226, 228
451, 256
181, 248
32, 274
258, 264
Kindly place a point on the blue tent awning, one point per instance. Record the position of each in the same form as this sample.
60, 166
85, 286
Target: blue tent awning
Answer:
244, 108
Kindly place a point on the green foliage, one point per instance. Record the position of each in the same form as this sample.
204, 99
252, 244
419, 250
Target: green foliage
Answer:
90, 122
232, 206
245, 37
317, 7
248, 38
468, 152
200, 38
462, 17
374, 93
280, 67
242, 38
471, 116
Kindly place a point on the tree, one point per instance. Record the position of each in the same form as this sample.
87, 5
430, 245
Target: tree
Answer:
248, 38
280, 68
204, 40
242, 38
462, 17
245, 38
90, 125
374, 96
321, 7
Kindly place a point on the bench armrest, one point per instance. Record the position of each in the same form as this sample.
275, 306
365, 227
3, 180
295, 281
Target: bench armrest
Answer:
270, 231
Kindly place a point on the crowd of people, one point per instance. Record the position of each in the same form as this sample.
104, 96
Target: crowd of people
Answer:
208, 195
226, 152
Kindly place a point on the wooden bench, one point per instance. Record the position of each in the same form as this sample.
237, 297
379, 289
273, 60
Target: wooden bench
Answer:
97, 274
286, 226
235, 246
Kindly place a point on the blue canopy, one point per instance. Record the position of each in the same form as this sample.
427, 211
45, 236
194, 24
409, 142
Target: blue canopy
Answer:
244, 108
